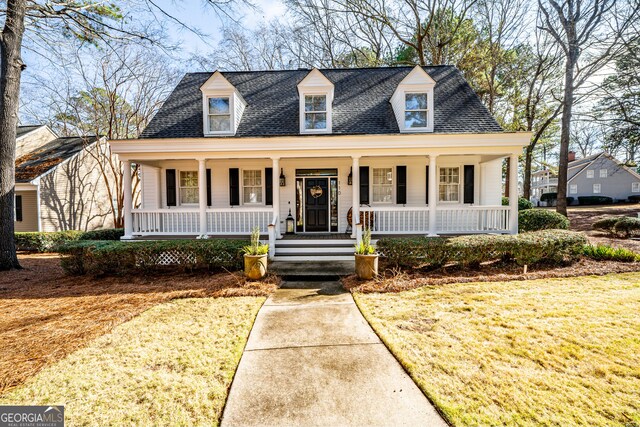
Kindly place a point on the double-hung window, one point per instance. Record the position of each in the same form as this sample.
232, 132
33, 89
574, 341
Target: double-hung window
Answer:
573, 189
382, 185
315, 112
188, 187
596, 188
219, 114
415, 110
590, 173
449, 188
603, 173
252, 186
635, 187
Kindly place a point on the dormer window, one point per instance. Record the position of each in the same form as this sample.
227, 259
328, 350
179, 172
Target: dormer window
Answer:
219, 114
316, 99
415, 110
222, 106
412, 102
315, 112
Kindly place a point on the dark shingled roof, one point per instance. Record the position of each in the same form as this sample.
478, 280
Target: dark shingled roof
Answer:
361, 103
23, 130
48, 156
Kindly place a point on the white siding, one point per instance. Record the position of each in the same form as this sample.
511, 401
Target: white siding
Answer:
33, 140
491, 183
150, 187
29, 211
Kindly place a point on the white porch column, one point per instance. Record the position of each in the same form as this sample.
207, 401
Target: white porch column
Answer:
128, 200
433, 195
513, 194
202, 196
355, 172
276, 193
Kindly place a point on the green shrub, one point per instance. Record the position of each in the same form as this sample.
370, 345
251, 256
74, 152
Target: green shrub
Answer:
595, 200
541, 219
546, 246
606, 224
635, 198
549, 197
607, 253
627, 227
43, 241
100, 257
104, 234
523, 204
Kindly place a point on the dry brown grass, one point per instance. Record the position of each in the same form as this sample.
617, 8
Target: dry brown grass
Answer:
393, 280
47, 315
552, 352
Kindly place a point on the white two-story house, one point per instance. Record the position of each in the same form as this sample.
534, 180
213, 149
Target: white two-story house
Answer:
401, 150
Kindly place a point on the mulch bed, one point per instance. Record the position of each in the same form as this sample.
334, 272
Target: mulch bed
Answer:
47, 314
583, 217
393, 280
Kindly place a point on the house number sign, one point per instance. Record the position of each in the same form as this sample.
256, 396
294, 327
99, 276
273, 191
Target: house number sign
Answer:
315, 191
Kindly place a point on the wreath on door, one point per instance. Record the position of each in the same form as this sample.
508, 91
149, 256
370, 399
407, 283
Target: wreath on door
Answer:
315, 191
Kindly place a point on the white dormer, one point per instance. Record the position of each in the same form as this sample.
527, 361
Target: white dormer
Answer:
412, 102
222, 106
316, 100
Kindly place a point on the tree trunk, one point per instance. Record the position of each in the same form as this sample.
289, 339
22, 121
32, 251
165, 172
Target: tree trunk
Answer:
10, 69
507, 175
528, 160
565, 133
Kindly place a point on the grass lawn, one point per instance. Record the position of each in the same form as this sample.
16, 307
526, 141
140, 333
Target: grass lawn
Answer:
47, 315
172, 365
539, 352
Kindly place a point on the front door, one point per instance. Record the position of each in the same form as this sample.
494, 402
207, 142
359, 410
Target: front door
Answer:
316, 204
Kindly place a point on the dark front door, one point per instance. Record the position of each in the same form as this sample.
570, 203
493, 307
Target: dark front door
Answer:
316, 205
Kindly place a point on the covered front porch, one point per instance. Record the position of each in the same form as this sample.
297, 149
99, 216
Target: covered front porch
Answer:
430, 193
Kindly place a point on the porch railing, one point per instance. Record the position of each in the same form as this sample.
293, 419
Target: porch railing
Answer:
238, 220
449, 219
396, 219
473, 219
166, 221
187, 221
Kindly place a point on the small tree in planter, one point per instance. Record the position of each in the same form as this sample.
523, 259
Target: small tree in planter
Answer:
255, 256
366, 257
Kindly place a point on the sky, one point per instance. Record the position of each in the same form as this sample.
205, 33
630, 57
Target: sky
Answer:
198, 14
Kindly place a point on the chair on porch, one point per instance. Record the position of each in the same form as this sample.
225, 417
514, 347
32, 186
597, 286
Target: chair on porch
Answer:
366, 218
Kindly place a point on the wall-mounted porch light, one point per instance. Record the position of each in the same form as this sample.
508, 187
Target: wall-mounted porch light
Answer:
283, 180
350, 177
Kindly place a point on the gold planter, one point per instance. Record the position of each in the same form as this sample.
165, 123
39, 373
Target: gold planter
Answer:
366, 266
255, 266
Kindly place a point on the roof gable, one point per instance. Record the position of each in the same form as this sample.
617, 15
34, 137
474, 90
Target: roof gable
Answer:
47, 157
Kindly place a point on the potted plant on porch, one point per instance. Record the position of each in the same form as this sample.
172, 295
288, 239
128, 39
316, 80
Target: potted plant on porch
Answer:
366, 257
255, 257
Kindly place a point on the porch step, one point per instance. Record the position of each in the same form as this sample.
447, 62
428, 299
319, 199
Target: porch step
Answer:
311, 250
313, 266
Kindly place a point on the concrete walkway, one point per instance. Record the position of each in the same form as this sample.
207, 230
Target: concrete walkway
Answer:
312, 359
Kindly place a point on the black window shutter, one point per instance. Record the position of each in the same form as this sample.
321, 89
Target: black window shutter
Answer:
18, 208
427, 190
171, 187
401, 185
469, 177
268, 185
208, 187
364, 185
234, 186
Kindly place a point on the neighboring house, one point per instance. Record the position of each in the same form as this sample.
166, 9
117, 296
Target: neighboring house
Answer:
413, 147
596, 175
58, 183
